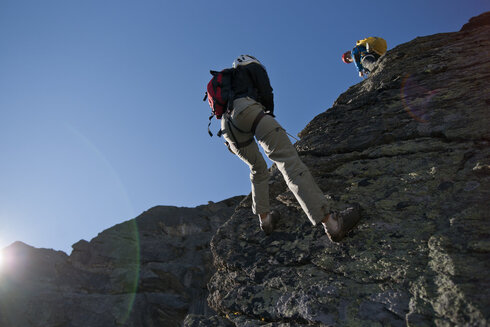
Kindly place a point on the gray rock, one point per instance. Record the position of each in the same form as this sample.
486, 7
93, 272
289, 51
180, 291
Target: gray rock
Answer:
411, 145
148, 271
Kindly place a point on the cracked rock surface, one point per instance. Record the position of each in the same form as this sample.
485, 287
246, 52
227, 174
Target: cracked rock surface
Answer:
411, 145
148, 271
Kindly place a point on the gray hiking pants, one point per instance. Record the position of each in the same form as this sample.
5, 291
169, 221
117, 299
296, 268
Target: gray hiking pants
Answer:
369, 61
273, 139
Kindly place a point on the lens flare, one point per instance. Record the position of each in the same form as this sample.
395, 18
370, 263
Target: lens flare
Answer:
124, 308
416, 99
133, 274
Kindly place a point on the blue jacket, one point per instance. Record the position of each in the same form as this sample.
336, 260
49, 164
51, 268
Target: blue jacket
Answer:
357, 53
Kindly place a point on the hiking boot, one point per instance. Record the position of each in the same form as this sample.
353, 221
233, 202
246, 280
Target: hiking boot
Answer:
268, 224
345, 221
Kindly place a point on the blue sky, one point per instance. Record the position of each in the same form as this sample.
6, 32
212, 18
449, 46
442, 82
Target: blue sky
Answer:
101, 111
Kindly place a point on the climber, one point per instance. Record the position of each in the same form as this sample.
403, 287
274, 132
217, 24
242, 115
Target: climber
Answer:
252, 114
365, 54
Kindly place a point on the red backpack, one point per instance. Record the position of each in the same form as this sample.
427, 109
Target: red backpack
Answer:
219, 93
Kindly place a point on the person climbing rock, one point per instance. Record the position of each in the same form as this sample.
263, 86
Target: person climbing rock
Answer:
250, 115
365, 54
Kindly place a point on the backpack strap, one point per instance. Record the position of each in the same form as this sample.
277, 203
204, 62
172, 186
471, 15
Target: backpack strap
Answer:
209, 130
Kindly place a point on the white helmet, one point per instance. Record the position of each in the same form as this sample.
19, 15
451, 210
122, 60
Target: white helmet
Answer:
243, 60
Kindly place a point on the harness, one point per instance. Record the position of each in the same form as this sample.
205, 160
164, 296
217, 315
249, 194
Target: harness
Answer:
237, 144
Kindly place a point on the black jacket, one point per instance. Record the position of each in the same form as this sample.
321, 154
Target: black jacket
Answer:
252, 80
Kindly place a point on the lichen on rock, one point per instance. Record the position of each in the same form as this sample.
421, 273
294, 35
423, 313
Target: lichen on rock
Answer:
411, 145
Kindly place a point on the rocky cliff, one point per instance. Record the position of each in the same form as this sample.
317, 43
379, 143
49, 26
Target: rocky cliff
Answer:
410, 144
148, 271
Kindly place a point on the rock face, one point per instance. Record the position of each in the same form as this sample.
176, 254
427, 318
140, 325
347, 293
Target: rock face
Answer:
411, 145
149, 271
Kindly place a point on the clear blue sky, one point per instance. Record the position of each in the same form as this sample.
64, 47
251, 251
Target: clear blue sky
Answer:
101, 112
